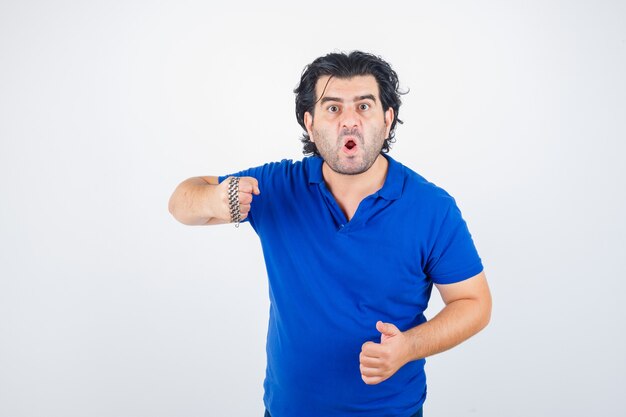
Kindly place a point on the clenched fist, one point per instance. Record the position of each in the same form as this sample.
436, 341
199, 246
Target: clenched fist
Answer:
248, 186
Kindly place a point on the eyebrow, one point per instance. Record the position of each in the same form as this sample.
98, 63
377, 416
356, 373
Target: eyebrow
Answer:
357, 98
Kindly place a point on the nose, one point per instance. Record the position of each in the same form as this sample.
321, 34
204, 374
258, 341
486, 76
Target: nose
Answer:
349, 118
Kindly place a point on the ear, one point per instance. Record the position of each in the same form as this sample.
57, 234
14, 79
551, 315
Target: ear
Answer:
308, 122
388, 120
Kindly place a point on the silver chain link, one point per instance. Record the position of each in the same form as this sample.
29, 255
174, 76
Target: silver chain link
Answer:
233, 200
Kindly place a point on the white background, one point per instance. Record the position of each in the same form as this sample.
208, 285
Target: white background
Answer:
109, 307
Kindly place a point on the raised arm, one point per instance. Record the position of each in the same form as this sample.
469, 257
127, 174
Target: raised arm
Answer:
204, 201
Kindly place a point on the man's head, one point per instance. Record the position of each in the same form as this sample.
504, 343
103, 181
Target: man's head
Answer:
356, 64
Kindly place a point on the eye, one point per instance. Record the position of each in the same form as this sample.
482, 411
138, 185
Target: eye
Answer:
364, 106
333, 109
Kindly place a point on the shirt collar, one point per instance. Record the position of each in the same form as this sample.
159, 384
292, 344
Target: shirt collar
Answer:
392, 188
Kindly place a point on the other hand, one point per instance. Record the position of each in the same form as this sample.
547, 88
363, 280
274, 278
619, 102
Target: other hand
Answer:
379, 361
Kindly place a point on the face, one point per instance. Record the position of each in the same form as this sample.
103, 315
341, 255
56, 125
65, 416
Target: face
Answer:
349, 125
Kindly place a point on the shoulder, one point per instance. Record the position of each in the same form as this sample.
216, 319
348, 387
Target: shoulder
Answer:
288, 169
286, 172
291, 166
418, 189
283, 168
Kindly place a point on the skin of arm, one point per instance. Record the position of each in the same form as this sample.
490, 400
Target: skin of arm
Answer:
204, 201
467, 311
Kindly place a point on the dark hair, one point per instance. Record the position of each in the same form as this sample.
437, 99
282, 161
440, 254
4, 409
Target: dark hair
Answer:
343, 65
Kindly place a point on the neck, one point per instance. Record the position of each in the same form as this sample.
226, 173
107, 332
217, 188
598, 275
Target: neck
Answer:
359, 185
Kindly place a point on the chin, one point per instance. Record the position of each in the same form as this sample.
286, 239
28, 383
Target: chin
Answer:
349, 169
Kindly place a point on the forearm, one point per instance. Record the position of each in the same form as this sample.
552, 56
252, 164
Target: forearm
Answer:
467, 311
192, 202
455, 323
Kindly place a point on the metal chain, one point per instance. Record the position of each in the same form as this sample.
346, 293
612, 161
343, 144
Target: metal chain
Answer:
233, 200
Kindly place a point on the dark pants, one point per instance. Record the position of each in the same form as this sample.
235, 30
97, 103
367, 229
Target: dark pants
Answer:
418, 414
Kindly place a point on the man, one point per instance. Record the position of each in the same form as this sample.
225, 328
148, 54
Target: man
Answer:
353, 242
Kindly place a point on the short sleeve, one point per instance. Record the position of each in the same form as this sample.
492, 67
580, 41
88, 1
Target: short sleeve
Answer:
453, 257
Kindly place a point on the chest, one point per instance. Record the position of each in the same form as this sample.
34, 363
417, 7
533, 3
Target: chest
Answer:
348, 206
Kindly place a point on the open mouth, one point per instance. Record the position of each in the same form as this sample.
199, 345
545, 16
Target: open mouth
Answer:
350, 144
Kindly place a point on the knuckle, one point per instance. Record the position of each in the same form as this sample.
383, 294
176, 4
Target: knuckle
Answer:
371, 381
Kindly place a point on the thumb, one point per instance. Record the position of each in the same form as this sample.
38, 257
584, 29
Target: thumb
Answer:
387, 329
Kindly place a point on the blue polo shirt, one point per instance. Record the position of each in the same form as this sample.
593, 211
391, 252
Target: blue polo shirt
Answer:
331, 280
